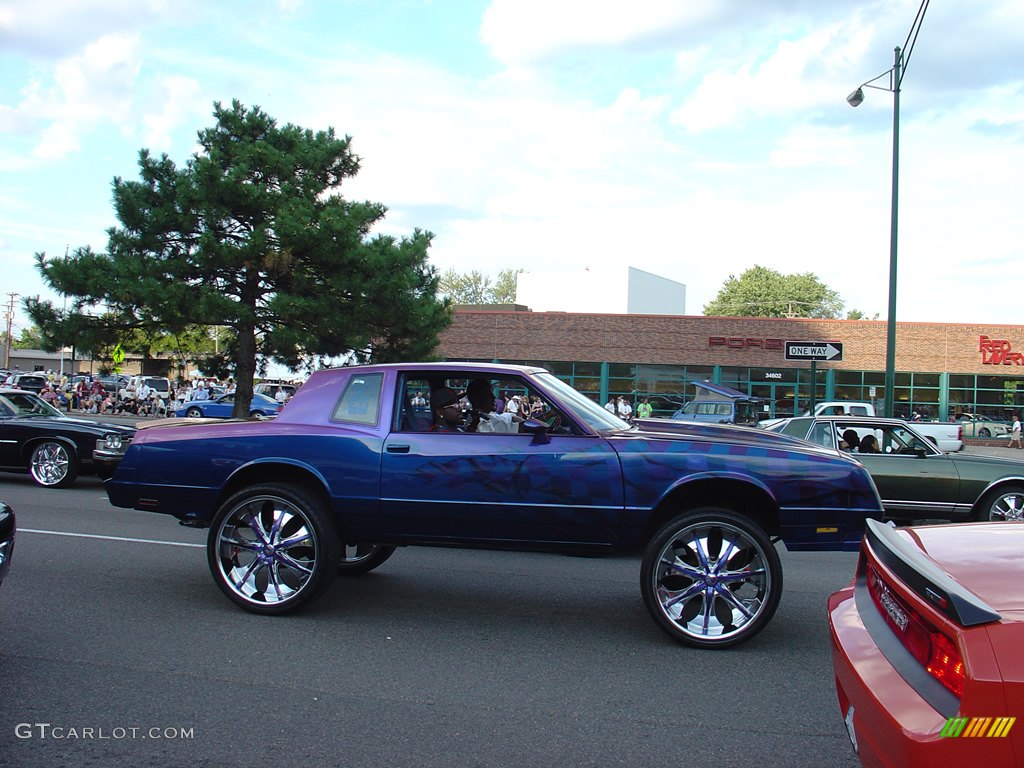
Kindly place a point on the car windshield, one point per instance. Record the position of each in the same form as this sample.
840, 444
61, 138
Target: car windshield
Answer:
581, 406
27, 404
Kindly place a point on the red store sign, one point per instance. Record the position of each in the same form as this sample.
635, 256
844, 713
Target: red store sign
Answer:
998, 352
736, 342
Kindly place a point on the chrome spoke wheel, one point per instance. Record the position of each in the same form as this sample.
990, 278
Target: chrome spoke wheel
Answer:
361, 558
711, 579
271, 548
1007, 504
52, 465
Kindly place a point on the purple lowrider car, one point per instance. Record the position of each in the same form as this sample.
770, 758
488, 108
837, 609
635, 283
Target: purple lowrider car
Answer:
359, 463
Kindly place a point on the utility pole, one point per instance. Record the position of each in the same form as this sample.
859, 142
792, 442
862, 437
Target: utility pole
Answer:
9, 316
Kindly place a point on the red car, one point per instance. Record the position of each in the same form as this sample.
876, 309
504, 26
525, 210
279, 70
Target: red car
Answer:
928, 646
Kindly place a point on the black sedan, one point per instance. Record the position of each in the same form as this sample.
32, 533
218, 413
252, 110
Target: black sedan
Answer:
916, 480
7, 528
52, 447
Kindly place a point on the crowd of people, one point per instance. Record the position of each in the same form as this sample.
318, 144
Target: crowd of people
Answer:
622, 408
89, 394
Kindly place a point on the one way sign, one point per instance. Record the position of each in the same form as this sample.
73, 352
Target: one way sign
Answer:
814, 350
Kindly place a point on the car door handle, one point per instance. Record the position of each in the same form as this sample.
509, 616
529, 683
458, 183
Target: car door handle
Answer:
397, 448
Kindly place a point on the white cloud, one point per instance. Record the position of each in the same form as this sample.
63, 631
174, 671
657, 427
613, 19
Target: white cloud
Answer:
520, 32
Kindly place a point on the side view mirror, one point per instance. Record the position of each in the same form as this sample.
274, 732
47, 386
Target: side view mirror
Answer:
538, 429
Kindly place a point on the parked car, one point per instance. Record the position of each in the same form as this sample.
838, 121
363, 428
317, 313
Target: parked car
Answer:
716, 404
351, 469
160, 385
222, 407
114, 382
926, 646
7, 531
976, 425
52, 447
915, 479
32, 382
271, 388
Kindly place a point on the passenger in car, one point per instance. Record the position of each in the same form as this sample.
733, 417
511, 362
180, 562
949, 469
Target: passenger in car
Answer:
869, 444
446, 405
850, 441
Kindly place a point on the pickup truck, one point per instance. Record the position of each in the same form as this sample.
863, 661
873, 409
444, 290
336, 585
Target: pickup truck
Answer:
947, 436
356, 465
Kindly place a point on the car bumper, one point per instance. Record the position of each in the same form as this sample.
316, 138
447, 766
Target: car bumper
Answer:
106, 457
7, 530
888, 722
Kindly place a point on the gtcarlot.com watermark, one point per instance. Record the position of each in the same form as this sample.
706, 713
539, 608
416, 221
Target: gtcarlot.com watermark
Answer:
55, 732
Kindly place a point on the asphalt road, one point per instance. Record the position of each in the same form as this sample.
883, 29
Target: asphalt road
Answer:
121, 651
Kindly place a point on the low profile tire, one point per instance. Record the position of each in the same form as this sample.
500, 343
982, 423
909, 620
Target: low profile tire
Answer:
1006, 503
711, 578
273, 548
194, 413
53, 464
357, 559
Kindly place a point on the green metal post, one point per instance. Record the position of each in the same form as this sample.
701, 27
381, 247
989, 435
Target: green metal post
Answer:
890, 339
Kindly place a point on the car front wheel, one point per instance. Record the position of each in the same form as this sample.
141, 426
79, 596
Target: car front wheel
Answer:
273, 548
194, 412
711, 578
1006, 503
53, 465
362, 558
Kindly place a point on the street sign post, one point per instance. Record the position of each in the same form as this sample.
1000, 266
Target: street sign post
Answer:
829, 351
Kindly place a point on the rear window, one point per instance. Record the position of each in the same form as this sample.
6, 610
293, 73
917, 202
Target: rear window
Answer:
360, 402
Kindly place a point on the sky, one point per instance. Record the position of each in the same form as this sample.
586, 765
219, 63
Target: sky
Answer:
692, 139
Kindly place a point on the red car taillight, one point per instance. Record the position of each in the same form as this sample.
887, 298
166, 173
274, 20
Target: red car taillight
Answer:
934, 651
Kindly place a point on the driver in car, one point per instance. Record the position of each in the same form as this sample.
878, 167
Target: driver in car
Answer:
484, 416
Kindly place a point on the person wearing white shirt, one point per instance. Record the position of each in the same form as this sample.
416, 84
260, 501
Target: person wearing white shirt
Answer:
485, 418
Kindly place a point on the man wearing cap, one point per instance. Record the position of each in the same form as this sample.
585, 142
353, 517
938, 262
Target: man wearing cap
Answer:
447, 409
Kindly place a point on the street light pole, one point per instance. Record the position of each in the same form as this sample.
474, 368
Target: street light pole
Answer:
890, 332
855, 99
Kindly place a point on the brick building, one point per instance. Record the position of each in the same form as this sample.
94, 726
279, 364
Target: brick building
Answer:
941, 370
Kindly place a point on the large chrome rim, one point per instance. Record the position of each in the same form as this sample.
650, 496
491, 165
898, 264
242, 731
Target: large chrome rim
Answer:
1008, 506
712, 580
357, 554
50, 463
266, 550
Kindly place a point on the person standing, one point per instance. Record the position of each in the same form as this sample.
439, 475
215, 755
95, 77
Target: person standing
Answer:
644, 409
1015, 432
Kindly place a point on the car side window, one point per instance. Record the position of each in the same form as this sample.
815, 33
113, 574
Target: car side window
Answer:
360, 402
821, 434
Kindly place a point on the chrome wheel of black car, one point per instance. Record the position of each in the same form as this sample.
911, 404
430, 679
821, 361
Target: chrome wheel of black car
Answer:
273, 548
711, 578
1005, 503
53, 464
362, 558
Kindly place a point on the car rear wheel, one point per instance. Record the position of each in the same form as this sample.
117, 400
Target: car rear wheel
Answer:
53, 464
984, 432
362, 558
194, 412
273, 548
1006, 503
711, 578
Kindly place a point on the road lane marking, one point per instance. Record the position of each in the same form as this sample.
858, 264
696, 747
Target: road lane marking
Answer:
109, 538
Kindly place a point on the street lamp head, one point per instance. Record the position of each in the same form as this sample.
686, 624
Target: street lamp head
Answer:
856, 98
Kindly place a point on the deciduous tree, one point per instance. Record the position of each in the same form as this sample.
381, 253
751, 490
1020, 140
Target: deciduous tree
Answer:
763, 292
